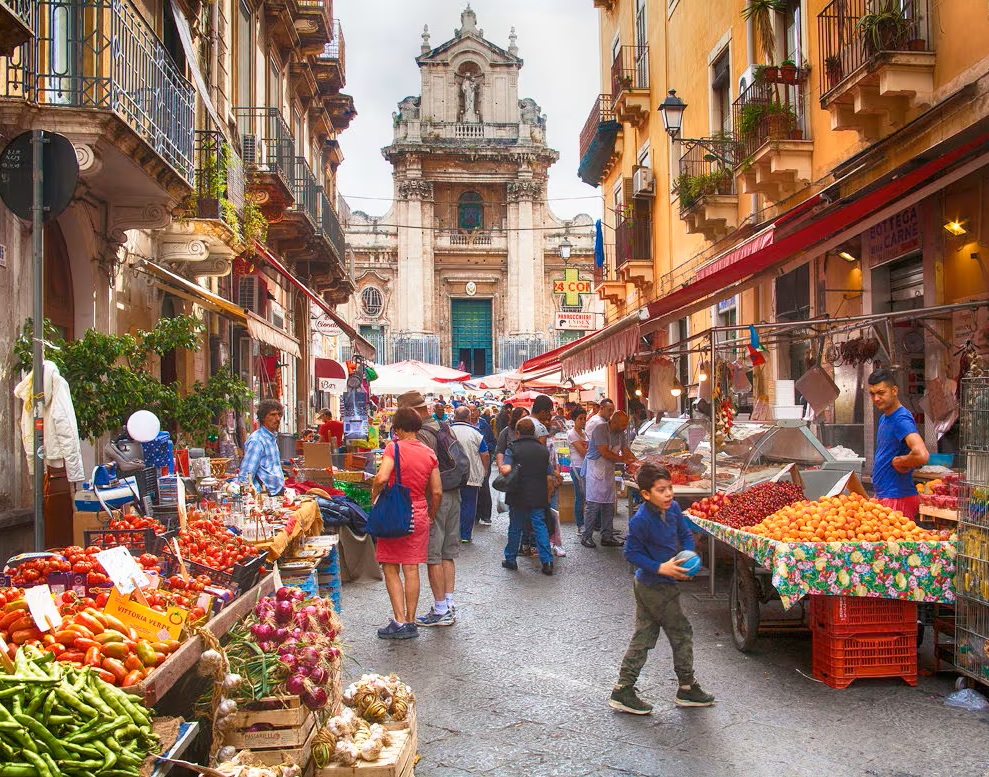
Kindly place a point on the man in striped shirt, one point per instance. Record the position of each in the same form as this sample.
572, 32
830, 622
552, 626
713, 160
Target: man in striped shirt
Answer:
261, 459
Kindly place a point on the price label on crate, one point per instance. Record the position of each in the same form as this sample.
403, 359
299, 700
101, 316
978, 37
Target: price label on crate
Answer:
41, 605
122, 569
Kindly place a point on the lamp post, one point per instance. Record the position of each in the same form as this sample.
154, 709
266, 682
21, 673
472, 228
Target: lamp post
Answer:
565, 248
671, 109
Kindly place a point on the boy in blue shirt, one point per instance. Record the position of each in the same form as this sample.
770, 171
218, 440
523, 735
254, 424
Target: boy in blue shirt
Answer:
656, 533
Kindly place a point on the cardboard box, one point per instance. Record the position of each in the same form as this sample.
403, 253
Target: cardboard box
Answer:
317, 455
86, 521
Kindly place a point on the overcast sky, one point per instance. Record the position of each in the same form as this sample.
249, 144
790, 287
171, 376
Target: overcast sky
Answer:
557, 41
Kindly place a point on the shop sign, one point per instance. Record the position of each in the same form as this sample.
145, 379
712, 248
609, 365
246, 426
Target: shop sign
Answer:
575, 321
331, 385
324, 325
893, 237
149, 624
727, 304
571, 286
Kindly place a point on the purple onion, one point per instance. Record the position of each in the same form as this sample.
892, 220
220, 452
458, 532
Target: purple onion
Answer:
285, 594
319, 675
261, 631
280, 634
315, 698
283, 613
267, 646
297, 595
308, 656
304, 669
288, 659
296, 684
288, 646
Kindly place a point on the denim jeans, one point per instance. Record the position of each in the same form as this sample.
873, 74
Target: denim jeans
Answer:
578, 498
468, 509
517, 516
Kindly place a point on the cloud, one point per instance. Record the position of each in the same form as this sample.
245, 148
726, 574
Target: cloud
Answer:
557, 40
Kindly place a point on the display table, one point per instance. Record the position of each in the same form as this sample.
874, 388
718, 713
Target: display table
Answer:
305, 520
917, 571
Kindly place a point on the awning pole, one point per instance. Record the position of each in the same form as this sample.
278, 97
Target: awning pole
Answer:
711, 542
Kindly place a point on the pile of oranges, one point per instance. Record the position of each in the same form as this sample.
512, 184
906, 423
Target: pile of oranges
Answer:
848, 517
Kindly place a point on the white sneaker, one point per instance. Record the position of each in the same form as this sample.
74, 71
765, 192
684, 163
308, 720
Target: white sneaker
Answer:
558, 551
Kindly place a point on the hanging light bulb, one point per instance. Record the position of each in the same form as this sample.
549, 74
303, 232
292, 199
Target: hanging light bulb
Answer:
638, 392
677, 388
702, 372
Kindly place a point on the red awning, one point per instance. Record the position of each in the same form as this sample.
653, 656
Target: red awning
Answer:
360, 345
768, 248
611, 345
331, 369
550, 360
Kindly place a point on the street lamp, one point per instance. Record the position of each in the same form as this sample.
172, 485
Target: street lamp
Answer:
565, 247
672, 109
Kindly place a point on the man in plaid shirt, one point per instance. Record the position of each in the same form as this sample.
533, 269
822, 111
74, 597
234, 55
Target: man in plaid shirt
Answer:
261, 458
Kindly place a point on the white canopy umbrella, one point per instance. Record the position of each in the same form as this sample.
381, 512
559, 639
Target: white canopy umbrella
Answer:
391, 381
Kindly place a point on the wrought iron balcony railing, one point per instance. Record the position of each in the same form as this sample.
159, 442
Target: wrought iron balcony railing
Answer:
101, 55
219, 177
305, 191
767, 111
855, 32
630, 70
266, 142
23, 10
336, 48
602, 111
329, 225
706, 167
633, 240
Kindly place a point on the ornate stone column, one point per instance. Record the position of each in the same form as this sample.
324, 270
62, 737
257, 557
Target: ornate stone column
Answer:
415, 267
525, 275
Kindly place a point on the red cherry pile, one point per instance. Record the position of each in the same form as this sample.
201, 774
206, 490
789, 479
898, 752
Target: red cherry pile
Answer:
753, 505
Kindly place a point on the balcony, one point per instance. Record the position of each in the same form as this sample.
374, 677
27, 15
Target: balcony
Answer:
482, 241
769, 122
706, 187
600, 146
324, 259
313, 25
633, 250
630, 84
341, 109
417, 131
607, 5
875, 76
329, 66
301, 220
107, 82
269, 159
16, 25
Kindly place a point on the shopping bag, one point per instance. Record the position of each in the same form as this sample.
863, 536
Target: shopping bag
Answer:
391, 513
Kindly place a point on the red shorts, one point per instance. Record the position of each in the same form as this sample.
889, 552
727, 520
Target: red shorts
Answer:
908, 505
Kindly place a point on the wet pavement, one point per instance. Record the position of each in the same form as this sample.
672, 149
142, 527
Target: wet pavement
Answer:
519, 686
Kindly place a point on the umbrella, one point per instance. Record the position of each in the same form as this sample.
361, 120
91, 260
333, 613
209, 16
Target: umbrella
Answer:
525, 398
433, 371
390, 381
495, 381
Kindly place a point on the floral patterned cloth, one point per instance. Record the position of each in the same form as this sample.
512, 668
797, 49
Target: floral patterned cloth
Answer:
918, 571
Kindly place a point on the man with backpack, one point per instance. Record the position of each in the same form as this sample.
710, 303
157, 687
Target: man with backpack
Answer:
444, 533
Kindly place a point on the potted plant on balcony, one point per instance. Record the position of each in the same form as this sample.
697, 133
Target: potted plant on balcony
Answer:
788, 71
761, 13
623, 83
884, 28
834, 70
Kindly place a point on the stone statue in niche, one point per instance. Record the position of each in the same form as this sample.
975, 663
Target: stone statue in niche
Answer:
470, 88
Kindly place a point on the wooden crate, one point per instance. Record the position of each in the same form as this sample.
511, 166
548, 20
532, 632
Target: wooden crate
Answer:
397, 760
409, 724
278, 756
285, 737
289, 712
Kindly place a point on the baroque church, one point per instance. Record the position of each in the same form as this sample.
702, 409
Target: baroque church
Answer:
469, 267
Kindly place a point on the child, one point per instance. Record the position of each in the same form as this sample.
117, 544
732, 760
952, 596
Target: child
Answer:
656, 533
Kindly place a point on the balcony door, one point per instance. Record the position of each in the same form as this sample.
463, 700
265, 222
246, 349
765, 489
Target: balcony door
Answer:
642, 46
59, 75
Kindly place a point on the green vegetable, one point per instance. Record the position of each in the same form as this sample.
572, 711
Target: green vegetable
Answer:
43, 734
18, 770
39, 764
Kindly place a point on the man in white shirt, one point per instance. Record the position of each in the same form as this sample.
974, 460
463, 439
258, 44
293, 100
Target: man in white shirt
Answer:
607, 445
472, 441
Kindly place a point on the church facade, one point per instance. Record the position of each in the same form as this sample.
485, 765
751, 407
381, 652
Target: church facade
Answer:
469, 267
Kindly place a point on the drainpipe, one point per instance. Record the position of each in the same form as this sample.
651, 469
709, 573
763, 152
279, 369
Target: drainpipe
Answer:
750, 57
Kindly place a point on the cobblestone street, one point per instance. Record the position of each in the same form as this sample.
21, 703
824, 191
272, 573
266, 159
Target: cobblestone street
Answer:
519, 686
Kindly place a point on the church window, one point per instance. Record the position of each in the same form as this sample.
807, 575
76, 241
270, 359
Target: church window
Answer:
371, 302
470, 211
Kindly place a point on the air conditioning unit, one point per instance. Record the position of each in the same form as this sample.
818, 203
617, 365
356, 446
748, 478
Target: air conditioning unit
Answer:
248, 293
277, 316
643, 182
746, 79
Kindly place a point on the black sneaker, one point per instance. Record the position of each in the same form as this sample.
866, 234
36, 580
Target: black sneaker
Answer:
627, 700
510, 565
695, 696
588, 542
547, 567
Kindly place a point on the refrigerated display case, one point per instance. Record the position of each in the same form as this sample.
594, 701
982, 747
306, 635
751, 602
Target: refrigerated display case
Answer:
754, 452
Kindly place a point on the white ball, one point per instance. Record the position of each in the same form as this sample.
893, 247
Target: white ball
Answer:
143, 426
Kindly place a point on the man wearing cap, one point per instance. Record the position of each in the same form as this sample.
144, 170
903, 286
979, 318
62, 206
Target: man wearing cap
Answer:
444, 532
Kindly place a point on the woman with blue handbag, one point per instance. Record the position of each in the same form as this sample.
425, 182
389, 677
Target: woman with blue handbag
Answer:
406, 462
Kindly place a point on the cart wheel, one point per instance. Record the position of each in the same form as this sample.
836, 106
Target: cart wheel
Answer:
743, 603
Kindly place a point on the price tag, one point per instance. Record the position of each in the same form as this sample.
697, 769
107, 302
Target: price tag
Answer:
840, 485
122, 569
42, 607
276, 575
181, 496
178, 556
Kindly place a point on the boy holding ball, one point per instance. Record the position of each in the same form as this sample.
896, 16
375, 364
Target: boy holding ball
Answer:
656, 533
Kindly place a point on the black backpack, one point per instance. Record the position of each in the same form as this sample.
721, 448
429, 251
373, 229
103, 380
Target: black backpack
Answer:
453, 462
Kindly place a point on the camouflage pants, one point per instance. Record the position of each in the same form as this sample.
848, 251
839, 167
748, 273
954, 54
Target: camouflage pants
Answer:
658, 607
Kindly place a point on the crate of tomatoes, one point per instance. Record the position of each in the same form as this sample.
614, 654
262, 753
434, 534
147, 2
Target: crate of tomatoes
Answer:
207, 548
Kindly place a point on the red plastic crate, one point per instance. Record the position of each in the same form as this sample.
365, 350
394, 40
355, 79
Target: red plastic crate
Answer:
846, 616
837, 661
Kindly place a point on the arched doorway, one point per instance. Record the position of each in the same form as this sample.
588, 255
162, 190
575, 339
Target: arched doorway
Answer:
59, 296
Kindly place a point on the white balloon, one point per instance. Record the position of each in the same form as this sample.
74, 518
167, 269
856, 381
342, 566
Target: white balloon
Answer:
143, 426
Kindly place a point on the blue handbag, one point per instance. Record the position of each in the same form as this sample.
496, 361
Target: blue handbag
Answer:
391, 513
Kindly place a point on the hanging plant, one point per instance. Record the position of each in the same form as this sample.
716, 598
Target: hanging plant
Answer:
255, 224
